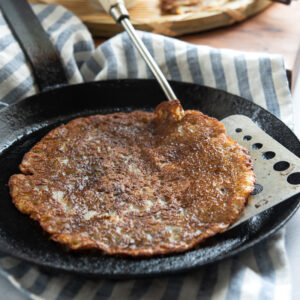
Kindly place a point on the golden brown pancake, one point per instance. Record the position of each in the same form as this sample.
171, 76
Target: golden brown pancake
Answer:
190, 6
135, 183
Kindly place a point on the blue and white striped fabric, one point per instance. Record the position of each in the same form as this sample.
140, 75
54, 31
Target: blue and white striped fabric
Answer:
260, 273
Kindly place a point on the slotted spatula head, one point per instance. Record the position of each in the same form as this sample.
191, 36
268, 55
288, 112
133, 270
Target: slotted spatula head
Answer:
277, 169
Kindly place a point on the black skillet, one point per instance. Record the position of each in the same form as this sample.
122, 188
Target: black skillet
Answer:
25, 123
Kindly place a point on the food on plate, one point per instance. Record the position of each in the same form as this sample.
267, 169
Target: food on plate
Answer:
173, 6
138, 183
187, 6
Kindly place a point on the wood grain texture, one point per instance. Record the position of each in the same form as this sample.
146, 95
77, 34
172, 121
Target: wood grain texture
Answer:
146, 16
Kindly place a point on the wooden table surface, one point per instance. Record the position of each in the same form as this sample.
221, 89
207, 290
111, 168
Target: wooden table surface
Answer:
275, 30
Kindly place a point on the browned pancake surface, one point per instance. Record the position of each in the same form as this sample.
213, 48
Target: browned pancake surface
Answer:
132, 184
173, 6
188, 6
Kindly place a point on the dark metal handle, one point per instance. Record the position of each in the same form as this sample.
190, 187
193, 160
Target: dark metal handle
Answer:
287, 2
40, 52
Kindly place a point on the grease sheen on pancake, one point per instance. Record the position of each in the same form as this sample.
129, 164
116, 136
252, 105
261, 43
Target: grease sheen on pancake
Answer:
135, 183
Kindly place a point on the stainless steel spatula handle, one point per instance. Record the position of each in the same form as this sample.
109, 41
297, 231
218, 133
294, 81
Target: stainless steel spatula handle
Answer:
118, 11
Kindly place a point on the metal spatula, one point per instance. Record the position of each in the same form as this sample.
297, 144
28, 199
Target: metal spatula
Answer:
118, 11
276, 168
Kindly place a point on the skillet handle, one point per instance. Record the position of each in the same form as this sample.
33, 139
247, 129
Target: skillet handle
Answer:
38, 49
287, 2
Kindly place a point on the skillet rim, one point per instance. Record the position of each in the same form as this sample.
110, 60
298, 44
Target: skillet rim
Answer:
231, 253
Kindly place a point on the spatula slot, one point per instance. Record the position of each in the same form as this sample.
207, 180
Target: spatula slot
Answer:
281, 166
268, 155
257, 189
294, 178
247, 137
257, 146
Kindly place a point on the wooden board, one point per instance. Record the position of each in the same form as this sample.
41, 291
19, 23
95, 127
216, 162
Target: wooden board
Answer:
146, 16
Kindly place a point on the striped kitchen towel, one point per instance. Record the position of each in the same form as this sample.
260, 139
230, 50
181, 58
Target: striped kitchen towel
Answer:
259, 273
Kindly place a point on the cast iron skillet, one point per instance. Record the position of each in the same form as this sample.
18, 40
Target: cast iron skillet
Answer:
25, 123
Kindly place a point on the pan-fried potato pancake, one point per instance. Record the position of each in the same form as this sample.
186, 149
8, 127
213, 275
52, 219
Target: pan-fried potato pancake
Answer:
136, 183
188, 6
